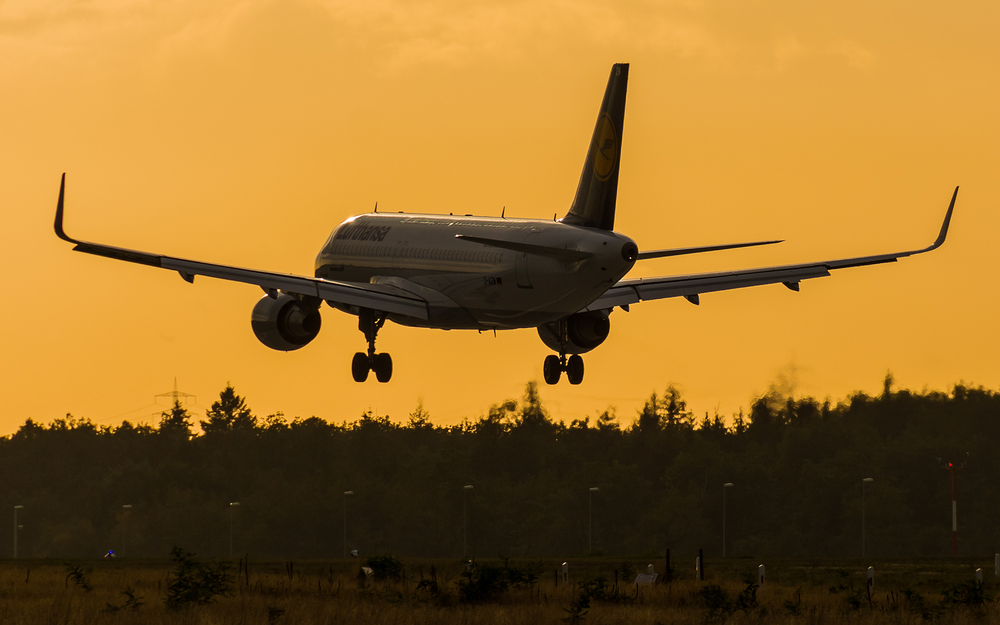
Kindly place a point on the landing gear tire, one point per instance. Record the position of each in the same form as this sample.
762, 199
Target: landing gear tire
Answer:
574, 369
360, 367
382, 366
551, 369
370, 322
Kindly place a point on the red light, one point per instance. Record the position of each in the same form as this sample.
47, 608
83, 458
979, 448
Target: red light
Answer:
949, 464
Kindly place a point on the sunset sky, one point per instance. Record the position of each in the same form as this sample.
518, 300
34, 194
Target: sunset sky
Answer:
242, 132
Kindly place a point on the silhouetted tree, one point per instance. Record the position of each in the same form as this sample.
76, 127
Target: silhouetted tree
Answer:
228, 414
175, 423
797, 465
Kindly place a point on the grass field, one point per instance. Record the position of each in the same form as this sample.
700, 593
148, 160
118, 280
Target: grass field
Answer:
796, 591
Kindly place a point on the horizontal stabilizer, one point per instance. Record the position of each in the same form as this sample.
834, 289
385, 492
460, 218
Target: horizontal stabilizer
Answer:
681, 251
540, 250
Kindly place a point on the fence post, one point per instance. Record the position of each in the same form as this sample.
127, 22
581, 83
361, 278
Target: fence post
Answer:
760, 575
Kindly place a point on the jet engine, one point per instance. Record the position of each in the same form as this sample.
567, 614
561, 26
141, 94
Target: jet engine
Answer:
576, 334
285, 323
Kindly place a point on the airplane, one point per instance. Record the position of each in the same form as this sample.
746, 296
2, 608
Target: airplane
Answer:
563, 277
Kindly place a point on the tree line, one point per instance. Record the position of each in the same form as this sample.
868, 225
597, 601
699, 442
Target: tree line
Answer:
796, 467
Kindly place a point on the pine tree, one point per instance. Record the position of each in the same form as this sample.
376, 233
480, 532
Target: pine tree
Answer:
175, 422
230, 413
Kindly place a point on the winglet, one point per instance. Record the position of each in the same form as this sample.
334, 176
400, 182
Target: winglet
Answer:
59, 212
947, 222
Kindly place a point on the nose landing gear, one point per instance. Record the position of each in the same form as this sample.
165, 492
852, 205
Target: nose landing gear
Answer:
370, 323
554, 366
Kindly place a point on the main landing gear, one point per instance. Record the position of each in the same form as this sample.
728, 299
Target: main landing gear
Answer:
555, 365
381, 364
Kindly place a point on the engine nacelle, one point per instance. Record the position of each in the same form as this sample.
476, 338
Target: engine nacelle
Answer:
582, 332
285, 323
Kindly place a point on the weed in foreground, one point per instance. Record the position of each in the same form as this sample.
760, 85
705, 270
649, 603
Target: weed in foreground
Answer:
593, 590
132, 603
717, 603
595, 601
599, 590
719, 606
578, 607
794, 608
969, 594
916, 604
746, 601
79, 577
274, 614
193, 582
485, 582
385, 568
627, 570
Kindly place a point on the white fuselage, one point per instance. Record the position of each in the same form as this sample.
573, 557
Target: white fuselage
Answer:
470, 284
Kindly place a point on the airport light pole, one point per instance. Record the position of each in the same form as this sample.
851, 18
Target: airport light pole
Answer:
465, 520
724, 487
125, 510
954, 469
347, 493
863, 482
232, 507
590, 534
16, 508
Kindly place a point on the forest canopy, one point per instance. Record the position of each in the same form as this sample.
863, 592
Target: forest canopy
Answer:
796, 466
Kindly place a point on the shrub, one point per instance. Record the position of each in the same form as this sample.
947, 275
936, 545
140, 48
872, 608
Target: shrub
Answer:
484, 582
717, 602
971, 595
192, 582
385, 567
577, 609
916, 604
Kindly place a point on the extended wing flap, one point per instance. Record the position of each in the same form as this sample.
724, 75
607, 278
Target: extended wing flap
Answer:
643, 289
627, 292
374, 296
377, 297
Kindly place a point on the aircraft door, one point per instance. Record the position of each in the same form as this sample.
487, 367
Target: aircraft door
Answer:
521, 263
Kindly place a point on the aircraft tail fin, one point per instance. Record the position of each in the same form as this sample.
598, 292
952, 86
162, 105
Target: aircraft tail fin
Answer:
594, 203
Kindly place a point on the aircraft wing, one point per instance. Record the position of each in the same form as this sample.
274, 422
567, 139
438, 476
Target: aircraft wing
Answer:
627, 292
384, 298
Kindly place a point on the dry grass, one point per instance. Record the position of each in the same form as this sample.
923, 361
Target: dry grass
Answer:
327, 592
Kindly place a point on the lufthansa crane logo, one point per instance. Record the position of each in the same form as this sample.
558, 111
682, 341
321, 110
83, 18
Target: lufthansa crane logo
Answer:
606, 148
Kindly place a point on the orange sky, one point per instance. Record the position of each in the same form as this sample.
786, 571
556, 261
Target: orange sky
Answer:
242, 132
